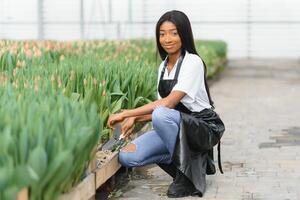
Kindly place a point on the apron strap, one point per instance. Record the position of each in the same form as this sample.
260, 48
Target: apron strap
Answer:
179, 65
163, 70
219, 158
177, 69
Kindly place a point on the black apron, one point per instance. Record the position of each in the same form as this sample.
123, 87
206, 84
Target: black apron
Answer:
198, 133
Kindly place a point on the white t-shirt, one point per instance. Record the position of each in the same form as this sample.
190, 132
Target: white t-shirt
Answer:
190, 81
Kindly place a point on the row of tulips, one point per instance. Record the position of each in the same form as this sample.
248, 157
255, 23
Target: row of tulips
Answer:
55, 101
45, 142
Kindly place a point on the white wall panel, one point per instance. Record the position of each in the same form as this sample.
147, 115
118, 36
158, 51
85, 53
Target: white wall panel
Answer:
275, 10
61, 10
120, 13
62, 32
275, 40
234, 34
138, 30
19, 31
213, 10
96, 31
149, 10
251, 28
96, 10
16, 10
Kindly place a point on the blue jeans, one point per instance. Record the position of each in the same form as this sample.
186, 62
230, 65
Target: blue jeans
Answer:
155, 146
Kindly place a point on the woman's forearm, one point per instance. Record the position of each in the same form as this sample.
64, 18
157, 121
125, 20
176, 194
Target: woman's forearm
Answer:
170, 101
143, 118
146, 109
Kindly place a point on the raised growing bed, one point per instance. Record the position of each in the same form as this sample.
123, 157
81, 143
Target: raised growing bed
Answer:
107, 169
102, 167
86, 189
106, 163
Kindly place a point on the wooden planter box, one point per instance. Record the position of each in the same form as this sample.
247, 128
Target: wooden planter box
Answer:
107, 170
85, 190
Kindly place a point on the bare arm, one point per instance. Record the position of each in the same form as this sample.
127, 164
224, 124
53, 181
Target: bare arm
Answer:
143, 118
170, 101
128, 123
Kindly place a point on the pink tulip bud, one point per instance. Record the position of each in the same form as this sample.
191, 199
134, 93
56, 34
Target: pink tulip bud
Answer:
28, 53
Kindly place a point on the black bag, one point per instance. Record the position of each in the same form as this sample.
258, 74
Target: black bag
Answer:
210, 166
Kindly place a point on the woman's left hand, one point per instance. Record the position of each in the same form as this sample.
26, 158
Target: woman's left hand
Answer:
114, 118
127, 126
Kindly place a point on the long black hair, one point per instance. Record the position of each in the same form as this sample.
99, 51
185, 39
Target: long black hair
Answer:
184, 29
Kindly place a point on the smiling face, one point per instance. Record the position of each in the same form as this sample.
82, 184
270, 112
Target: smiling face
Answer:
169, 38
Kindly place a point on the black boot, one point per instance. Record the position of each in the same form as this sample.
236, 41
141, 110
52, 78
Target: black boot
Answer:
181, 187
169, 168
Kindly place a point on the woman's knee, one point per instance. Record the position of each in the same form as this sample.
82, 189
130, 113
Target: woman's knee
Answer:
128, 157
163, 114
123, 159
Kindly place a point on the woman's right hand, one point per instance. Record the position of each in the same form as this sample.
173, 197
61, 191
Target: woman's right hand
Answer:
127, 126
115, 118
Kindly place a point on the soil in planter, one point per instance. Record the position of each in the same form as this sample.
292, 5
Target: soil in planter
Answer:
103, 157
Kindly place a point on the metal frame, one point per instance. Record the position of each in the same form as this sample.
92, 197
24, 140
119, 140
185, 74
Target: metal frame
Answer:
40, 19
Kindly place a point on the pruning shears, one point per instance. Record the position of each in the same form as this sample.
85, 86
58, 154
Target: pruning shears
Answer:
117, 140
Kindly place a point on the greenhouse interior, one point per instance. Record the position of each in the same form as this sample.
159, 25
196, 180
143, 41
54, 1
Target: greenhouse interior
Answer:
134, 99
